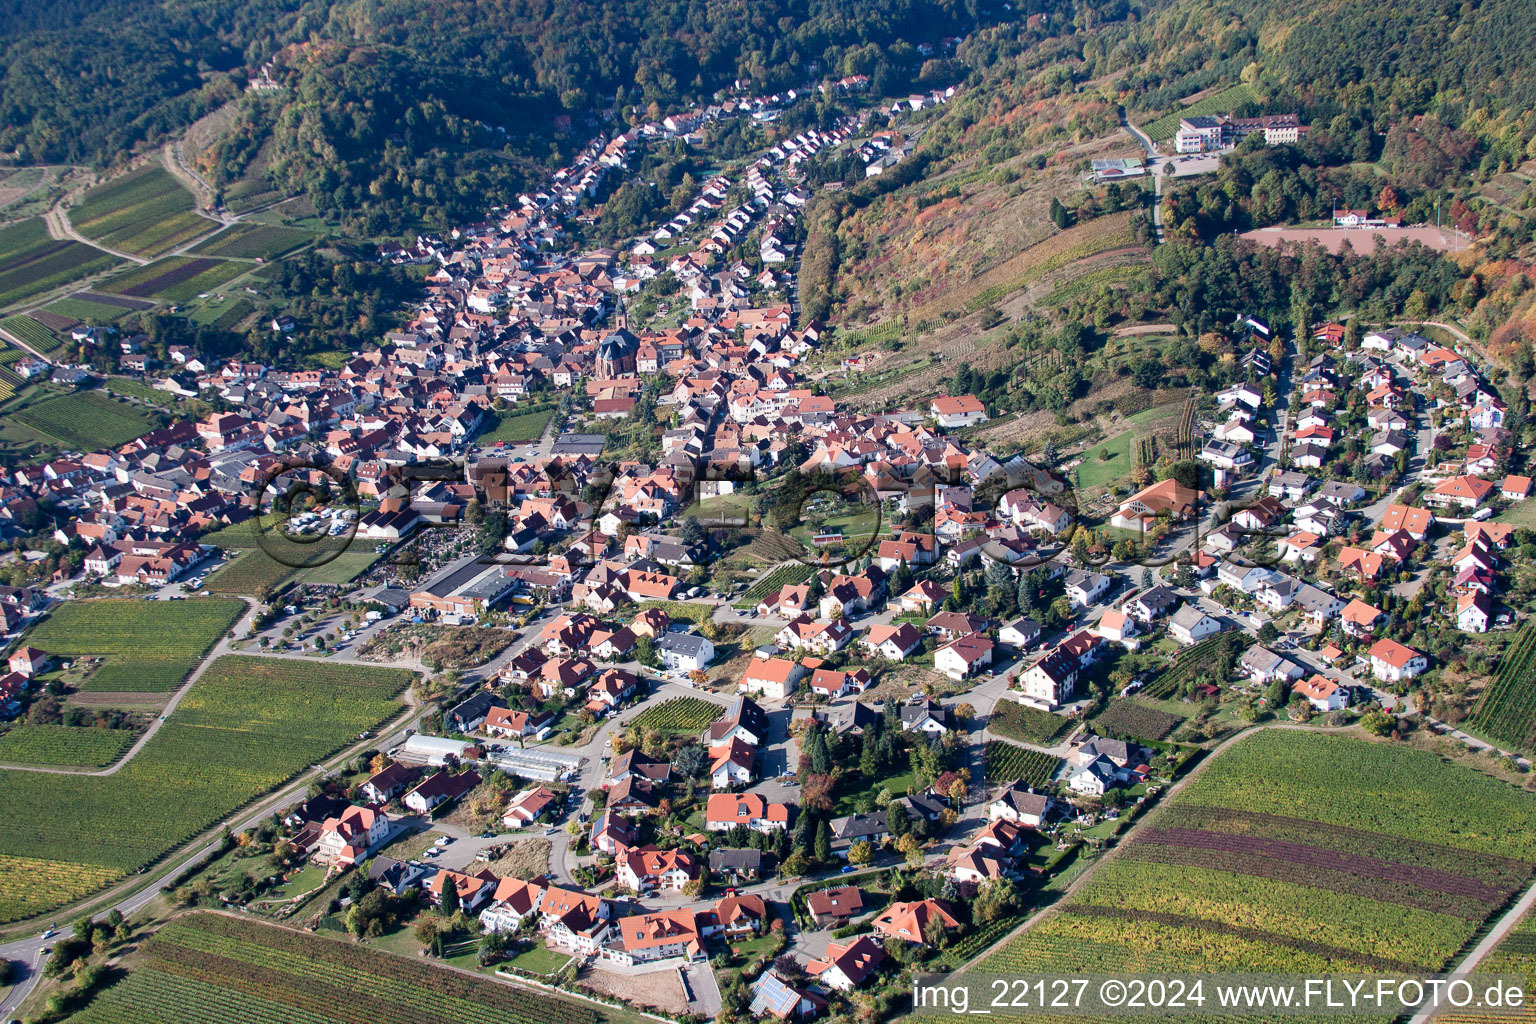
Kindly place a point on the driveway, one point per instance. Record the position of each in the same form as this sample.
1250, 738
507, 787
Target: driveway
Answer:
703, 992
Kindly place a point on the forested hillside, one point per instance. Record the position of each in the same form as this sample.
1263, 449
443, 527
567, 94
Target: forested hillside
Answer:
401, 111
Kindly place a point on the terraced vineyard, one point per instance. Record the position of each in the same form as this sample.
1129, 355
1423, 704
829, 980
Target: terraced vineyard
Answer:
1192, 661
72, 746
145, 212
253, 241
1506, 711
247, 726
88, 310
249, 572
149, 646
1128, 719
176, 278
1515, 954
214, 969
678, 715
767, 585
1008, 763
1297, 852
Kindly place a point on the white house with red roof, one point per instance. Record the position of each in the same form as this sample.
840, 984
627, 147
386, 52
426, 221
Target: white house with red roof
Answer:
774, 678
1392, 661
958, 410
964, 656
351, 837
29, 661
526, 807
647, 868
1323, 693
1467, 492
725, 811
846, 965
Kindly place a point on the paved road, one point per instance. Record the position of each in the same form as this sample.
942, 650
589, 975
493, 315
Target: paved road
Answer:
1493, 938
1157, 175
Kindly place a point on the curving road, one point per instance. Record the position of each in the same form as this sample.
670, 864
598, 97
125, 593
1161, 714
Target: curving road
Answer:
59, 227
1157, 174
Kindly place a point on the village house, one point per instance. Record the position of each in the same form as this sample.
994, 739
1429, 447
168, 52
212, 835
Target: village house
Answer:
440, 788
725, 811
847, 965
646, 868
918, 922
1190, 625
1392, 661
350, 837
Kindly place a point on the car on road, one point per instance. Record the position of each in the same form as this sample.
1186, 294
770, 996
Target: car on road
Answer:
50, 933
847, 869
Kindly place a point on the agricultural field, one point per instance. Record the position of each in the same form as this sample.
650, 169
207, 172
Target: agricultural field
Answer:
146, 212
1009, 763
250, 572
67, 745
342, 569
222, 312
149, 646
268, 534
129, 388
678, 716
85, 421
1506, 710
1026, 724
215, 969
247, 726
1223, 102
1126, 718
253, 241
88, 311
29, 330
31, 263
1098, 471
1297, 852
176, 278
1515, 954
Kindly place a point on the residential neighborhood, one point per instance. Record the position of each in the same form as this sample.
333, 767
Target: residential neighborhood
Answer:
728, 689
